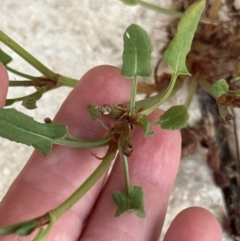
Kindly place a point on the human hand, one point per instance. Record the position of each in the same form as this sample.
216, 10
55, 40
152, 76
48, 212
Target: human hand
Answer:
45, 182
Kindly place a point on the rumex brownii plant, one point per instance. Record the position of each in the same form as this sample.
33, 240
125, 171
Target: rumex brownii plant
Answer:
19, 127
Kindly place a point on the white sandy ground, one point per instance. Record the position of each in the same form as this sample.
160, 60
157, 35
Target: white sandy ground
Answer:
71, 37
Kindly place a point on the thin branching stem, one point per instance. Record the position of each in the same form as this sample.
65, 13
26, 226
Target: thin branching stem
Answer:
158, 9
79, 143
125, 169
86, 186
19, 73
191, 92
162, 97
26, 56
66, 81
133, 96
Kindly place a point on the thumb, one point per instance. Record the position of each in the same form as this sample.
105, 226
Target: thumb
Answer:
3, 84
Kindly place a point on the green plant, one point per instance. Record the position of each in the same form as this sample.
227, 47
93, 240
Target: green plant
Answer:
136, 62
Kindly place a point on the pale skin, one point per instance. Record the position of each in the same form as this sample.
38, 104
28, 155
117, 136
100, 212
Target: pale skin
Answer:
47, 181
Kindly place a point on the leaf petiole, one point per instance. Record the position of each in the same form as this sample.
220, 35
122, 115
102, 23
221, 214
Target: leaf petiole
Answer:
94, 177
37, 82
79, 143
63, 80
133, 96
26, 56
53, 215
125, 169
36, 96
158, 9
161, 98
44, 232
19, 73
191, 92
66, 81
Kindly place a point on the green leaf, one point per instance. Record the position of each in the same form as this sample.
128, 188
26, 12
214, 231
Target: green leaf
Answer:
177, 50
174, 118
21, 128
5, 58
219, 88
145, 124
132, 202
137, 52
130, 2
30, 101
94, 111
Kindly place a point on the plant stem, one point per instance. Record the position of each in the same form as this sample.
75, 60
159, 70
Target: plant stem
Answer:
94, 177
63, 80
191, 93
172, 13
20, 73
159, 99
26, 56
37, 81
11, 101
66, 81
154, 123
234, 91
79, 143
44, 232
125, 169
57, 212
133, 96
101, 123
206, 86
22, 83
168, 12
40, 82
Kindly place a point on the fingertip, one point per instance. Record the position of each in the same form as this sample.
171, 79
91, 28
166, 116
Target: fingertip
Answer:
3, 84
194, 224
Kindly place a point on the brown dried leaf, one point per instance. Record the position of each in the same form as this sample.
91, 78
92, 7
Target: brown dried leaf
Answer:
213, 157
221, 179
189, 142
229, 100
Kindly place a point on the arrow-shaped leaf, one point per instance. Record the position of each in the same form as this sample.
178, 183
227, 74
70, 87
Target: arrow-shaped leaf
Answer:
21, 128
177, 50
219, 88
131, 202
145, 124
137, 52
30, 101
94, 111
174, 118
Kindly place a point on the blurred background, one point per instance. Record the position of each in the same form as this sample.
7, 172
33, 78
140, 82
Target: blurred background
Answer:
70, 37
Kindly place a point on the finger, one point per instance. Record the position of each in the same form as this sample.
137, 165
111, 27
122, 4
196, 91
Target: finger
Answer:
3, 84
153, 166
194, 224
45, 182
